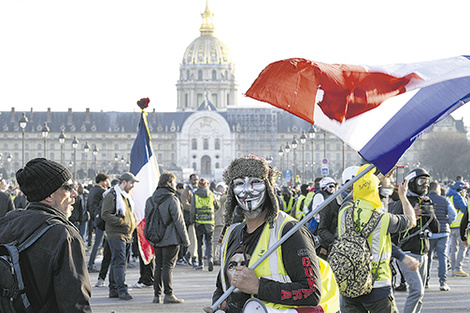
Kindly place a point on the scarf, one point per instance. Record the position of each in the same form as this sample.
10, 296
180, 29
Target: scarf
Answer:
120, 205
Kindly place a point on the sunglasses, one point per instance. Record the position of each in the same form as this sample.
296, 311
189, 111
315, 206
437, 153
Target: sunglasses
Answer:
67, 187
331, 186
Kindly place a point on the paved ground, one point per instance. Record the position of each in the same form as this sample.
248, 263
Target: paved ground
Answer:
196, 288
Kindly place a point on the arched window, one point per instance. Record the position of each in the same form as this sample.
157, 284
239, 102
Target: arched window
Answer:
217, 165
217, 144
187, 75
214, 75
199, 75
206, 166
205, 144
194, 144
194, 166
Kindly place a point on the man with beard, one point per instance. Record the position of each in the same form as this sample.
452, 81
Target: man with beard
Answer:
290, 277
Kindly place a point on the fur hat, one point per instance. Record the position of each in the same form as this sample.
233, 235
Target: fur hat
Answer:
41, 177
251, 166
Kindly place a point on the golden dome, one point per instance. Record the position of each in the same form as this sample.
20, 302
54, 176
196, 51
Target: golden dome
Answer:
207, 49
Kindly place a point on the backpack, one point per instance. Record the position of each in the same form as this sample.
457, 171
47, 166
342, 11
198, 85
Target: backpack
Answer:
154, 229
13, 298
350, 257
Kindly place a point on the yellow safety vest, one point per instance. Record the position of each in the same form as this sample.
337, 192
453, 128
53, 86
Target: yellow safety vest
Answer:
204, 209
379, 240
299, 212
288, 207
308, 200
458, 219
273, 267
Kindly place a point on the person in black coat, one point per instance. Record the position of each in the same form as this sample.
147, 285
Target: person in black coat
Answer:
6, 203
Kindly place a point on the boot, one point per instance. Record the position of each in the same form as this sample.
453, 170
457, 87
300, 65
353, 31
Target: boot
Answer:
171, 299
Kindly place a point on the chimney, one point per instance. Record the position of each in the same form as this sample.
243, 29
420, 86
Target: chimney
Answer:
49, 115
69, 116
87, 115
12, 115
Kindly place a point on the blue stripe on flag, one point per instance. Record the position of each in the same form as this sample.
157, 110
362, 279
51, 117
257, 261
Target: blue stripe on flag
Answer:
141, 149
428, 106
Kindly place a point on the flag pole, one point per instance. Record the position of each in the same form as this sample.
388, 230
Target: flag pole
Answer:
307, 218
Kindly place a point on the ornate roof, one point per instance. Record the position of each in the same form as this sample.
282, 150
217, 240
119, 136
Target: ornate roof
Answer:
207, 49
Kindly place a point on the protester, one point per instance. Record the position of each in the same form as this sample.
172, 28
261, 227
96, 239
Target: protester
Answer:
117, 212
95, 200
202, 214
221, 195
415, 242
456, 195
6, 203
54, 267
164, 200
250, 183
186, 196
366, 201
445, 214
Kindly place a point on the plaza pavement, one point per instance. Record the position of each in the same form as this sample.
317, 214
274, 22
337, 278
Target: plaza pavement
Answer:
196, 288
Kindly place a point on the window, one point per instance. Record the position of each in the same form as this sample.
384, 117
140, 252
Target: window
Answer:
194, 166
214, 75
199, 75
214, 99
200, 99
217, 144
217, 165
205, 143
186, 100
194, 144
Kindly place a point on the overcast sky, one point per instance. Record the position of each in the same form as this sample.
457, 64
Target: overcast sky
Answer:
107, 54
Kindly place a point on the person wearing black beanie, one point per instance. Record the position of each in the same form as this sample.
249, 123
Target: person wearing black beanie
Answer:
53, 267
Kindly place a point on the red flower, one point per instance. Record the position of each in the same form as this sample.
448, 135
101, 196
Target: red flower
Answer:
143, 103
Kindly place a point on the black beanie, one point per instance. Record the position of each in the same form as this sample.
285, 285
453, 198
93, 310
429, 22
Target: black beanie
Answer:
40, 178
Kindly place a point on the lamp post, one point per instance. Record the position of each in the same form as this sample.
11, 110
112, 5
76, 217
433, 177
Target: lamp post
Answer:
45, 133
294, 145
303, 140
9, 159
287, 150
95, 154
86, 149
281, 153
75, 146
23, 122
116, 164
62, 141
311, 135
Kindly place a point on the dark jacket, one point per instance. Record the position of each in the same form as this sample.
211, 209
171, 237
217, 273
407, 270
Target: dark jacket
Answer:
54, 267
440, 209
169, 206
328, 225
411, 240
6, 203
118, 226
95, 198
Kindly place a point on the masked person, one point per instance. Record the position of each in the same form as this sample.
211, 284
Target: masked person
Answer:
415, 241
290, 277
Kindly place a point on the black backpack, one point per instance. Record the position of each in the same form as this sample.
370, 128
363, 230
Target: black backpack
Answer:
154, 229
13, 298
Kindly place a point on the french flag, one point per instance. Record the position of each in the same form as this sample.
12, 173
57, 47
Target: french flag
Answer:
145, 167
377, 110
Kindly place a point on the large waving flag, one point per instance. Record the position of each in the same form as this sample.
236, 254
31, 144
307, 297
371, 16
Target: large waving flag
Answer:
145, 167
378, 110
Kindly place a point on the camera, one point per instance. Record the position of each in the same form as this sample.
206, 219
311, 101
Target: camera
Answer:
426, 207
425, 234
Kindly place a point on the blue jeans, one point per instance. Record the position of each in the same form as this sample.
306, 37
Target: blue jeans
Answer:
120, 251
440, 246
415, 280
99, 234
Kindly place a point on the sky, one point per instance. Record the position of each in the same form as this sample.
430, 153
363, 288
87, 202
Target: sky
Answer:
107, 54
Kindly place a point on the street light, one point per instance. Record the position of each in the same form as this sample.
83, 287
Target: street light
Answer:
95, 153
86, 149
45, 133
311, 135
281, 153
9, 159
287, 150
23, 122
75, 146
62, 141
295, 143
303, 140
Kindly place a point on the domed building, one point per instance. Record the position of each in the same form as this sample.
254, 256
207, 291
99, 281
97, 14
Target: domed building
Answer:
206, 71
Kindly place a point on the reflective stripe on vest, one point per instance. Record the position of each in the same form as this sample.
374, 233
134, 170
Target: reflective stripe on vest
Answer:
288, 207
458, 219
379, 240
299, 212
204, 209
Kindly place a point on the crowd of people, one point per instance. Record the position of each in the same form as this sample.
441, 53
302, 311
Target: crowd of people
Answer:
231, 224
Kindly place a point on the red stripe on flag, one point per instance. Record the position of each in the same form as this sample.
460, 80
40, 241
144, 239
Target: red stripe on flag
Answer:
146, 249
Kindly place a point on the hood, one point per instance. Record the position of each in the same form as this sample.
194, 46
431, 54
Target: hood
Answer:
20, 224
202, 192
161, 194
